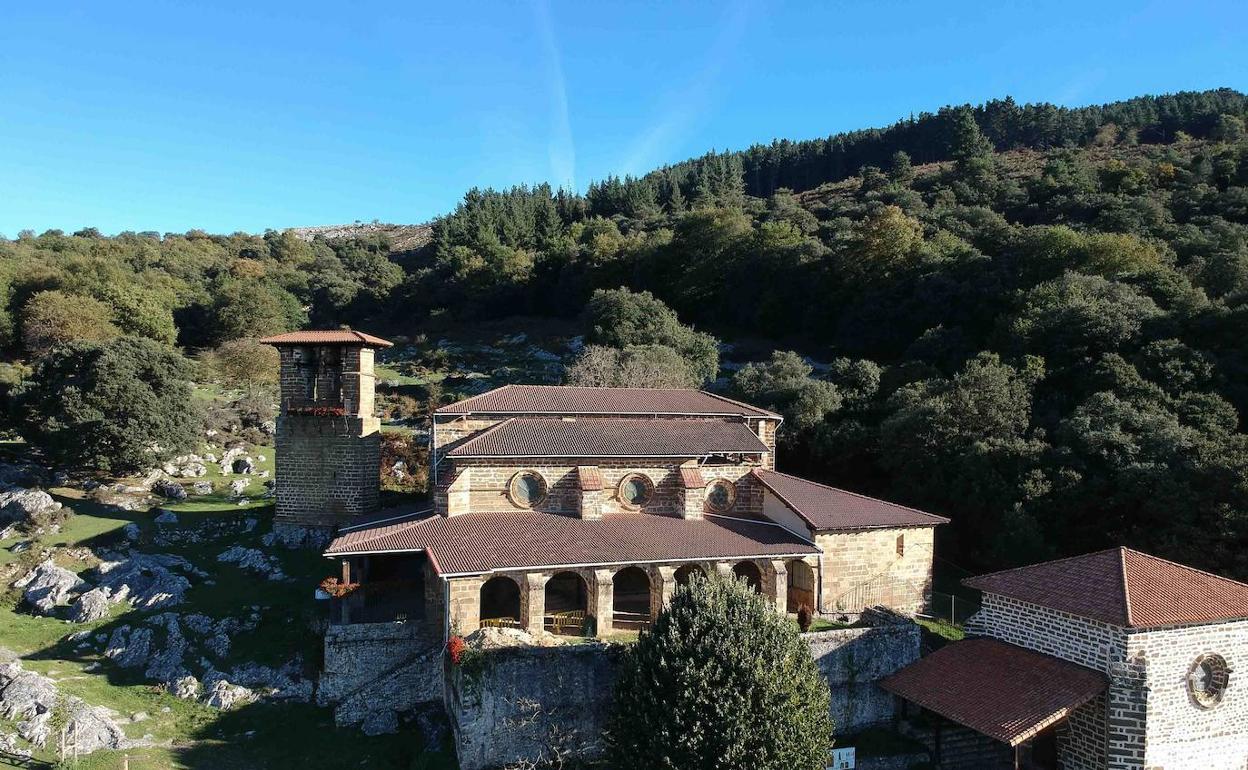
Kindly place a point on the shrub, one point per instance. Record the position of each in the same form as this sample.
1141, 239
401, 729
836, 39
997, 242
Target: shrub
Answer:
721, 681
116, 406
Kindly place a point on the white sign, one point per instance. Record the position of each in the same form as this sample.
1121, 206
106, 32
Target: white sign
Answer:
842, 759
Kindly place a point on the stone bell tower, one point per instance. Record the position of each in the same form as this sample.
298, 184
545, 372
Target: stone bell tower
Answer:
328, 453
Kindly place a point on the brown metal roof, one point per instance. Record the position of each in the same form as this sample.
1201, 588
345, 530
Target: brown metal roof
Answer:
1005, 692
475, 543
610, 437
327, 337
829, 508
565, 399
691, 478
589, 477
1124, 588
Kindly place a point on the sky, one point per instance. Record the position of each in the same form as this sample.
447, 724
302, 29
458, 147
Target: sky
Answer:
228, 116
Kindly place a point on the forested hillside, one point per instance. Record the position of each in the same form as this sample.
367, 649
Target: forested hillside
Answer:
1032, 319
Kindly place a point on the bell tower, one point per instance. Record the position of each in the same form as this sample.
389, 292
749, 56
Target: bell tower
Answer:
328, 453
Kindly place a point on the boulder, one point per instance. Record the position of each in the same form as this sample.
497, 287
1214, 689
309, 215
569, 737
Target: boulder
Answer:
186, 688
225, 696
238, 487
132, 531
130, 649
169, 489
21, 504
166, 517
92, 605
147, 580
23, 694
93, 728
253, 560
201, 488
166, 664
268, 427
244, 466
192, 470
199, 623
228, 457
48, 585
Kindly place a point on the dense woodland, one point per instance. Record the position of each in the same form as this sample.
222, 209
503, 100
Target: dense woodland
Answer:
1029, 318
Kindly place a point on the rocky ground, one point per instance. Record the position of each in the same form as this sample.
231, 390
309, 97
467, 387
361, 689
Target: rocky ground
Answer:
154, 617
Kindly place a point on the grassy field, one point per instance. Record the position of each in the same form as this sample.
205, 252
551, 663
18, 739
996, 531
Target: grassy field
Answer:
188, 734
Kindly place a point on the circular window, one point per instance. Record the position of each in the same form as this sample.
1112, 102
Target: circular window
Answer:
636, 490
1208, 679
720, 495
527, 489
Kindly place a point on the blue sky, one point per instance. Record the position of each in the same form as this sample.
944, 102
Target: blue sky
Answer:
244, 116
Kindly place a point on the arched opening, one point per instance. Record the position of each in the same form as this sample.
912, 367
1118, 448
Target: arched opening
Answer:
751, 574
801, 586
630, 598
687, 573
500, 603
567, 599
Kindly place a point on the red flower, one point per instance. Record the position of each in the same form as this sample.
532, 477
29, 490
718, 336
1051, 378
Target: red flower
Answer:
455, 648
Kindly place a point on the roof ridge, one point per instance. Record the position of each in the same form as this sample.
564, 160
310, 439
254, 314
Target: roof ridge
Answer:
1126, 591
1041, 564
859, 495
1173, 563
734, 402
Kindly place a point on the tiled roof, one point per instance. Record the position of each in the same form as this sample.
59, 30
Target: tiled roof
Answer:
589, 477
1005, 692
327, 337
1124, 588
610, 437
829, 508
691, 478
564, 399
474, 543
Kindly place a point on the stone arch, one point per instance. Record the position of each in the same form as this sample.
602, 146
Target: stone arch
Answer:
801, 586
750, 573
500, 602
567, 603
687, 572
630, 598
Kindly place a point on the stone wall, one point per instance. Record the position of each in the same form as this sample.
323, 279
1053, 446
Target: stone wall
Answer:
853, 660
1180, 733
1079, 640
481, 485
513, 704
327, 468
517, 704
375, 668
863, 568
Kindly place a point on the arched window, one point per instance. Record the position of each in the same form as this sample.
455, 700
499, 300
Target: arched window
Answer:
527, 489
720, 495
630, 598
567, 599
636, 490
687, 573
750, 573
500, 602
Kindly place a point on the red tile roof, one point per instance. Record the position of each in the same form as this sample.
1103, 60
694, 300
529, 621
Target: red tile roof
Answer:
564, 399
475, 543
589, 477
829, 508
1124, 588
1005, 692
610, 437
327, 337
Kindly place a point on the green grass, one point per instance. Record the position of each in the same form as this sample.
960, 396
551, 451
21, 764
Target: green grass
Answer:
942, 628
823, 624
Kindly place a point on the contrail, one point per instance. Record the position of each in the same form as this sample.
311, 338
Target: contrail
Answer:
561, 148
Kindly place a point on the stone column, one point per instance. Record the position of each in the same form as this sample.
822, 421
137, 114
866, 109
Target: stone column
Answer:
533, 601
776, 584
602, 601
465, 605
662, 586
723, 570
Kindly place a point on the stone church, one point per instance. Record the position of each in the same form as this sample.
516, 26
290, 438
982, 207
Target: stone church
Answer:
576, 510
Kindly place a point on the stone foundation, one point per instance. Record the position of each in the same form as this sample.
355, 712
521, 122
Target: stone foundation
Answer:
291, 535
378, 667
